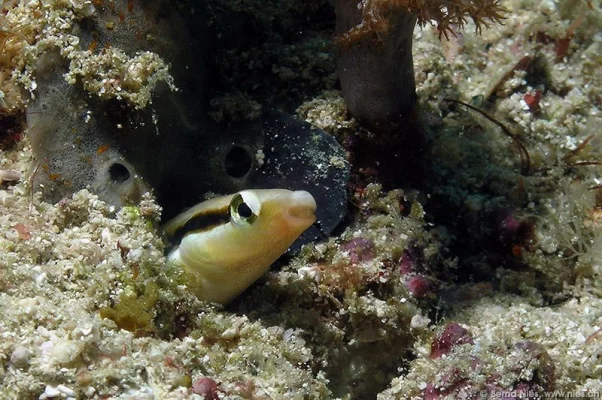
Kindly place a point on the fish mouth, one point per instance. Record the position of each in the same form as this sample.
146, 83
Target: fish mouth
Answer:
302, 206
303, 213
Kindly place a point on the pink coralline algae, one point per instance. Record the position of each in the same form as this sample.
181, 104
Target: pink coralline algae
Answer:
419, 286
205, 387
430, 392
508, 226
412, 260
360, 250
511, 230
545, 376
476, 378
453, 335
407, 265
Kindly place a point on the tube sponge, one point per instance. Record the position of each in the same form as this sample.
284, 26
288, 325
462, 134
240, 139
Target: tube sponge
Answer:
376, 73
375, 58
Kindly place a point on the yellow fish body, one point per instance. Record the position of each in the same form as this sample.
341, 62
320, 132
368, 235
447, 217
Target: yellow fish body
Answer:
228, 242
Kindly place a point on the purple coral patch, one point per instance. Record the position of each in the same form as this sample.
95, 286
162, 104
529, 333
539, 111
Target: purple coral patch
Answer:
419, 286
205, 387
453, 334
360, 250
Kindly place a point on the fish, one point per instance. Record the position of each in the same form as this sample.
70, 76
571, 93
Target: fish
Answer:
227, 243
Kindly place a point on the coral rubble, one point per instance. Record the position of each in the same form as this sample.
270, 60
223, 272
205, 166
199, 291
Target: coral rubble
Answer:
482, 281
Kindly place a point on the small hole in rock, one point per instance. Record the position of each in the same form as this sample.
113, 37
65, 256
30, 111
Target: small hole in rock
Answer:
119, 173
238, 162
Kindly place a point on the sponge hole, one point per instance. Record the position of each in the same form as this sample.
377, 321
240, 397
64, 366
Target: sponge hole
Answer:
238, 162
119, 173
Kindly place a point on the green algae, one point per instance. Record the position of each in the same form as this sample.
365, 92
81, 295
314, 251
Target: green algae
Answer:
134, 313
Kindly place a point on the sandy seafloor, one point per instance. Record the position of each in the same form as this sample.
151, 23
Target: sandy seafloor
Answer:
89, 310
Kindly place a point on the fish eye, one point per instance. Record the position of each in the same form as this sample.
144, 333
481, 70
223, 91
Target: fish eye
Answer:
241, 211
244, 210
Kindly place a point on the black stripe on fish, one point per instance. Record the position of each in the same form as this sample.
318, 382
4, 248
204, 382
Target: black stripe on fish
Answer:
202, 222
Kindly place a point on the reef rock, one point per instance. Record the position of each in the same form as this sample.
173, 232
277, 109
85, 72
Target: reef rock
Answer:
122, 106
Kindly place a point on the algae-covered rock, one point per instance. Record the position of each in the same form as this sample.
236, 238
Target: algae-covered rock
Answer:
479, 279
54, 299
134, 313
348, 299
